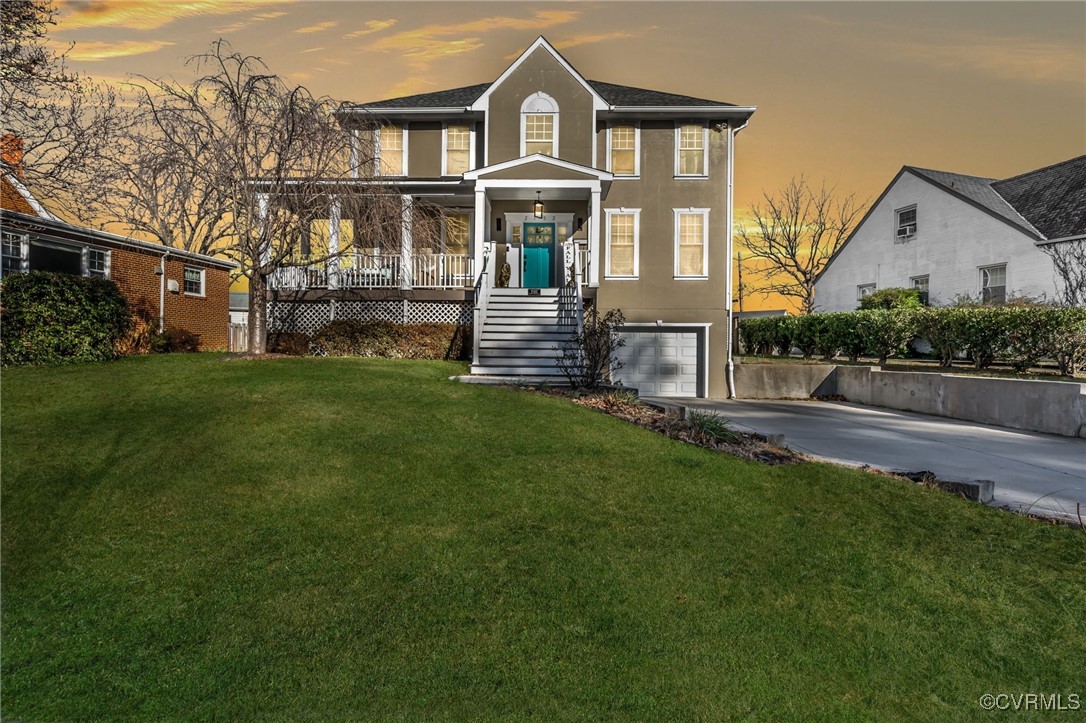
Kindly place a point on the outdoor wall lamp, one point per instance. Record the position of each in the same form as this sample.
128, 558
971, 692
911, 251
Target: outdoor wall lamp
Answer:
538, 206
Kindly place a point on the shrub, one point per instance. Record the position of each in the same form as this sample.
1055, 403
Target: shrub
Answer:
983, 332
372, 338
588, 357
294, 343
942, 328
712, 425
784, 334
1067, 341
804, 334
892, 298
885, 332
758, 334
843, 334
51, 318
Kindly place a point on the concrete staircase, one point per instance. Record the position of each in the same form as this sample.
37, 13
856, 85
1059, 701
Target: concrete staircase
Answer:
520, 333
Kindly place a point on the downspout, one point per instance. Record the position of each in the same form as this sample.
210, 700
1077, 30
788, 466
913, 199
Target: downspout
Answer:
162, 293
730, 366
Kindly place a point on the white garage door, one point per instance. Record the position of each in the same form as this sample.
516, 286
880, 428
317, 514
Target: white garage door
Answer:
663, 363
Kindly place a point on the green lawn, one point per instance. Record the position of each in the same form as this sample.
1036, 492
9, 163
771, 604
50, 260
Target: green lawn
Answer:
188, 537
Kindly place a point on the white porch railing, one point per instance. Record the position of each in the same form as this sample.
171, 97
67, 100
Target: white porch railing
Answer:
442, 271
380, 271
582, 262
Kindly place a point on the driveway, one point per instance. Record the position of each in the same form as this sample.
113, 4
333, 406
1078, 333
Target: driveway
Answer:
1043, 473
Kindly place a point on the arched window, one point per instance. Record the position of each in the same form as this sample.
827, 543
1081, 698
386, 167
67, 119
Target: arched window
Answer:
539, 125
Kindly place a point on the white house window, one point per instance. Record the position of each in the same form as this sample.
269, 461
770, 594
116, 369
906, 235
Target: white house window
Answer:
457, 150
391, 155
12, 247
624, 155
539, 125
906, 223
864, 290
194, 281
691, 150
622, 242
691, 242
920, 283
993, 284
98, 263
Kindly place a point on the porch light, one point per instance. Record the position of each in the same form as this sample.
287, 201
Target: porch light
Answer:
538, 206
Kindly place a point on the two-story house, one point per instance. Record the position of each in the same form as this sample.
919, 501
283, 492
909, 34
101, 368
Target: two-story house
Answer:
951, 235
556, 192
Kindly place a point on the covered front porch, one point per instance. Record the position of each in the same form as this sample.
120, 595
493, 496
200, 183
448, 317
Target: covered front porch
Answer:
519, 224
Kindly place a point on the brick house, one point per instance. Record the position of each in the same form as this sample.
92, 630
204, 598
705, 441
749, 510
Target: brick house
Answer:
183, 290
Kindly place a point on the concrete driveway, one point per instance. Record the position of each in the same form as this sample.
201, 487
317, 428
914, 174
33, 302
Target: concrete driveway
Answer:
1043, 473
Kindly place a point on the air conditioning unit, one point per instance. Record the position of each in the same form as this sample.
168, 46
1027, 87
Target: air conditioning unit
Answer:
173, 286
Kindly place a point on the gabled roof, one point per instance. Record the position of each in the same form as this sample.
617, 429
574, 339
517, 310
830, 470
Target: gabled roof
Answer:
483, 101
586, 171
452, 98
979, 192
1052, 199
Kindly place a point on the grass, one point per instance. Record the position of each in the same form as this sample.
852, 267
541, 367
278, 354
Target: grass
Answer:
191, 538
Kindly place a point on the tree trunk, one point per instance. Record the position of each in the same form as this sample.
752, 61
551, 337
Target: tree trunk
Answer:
258, 313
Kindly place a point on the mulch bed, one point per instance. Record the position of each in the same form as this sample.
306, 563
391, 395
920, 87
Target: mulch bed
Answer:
751, 447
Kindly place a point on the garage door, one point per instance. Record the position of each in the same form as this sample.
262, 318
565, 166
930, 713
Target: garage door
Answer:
663, 363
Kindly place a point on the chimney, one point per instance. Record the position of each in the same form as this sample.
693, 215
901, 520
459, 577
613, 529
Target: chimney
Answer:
11, 153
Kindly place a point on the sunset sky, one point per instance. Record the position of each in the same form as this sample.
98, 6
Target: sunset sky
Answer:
846, 92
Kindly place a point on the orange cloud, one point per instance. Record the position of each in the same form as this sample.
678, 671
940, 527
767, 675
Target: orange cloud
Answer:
424, 45
1039, 61
242, 24
145, 14
92, 51
373, 26
319, 27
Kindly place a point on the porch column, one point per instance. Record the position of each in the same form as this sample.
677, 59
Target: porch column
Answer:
333, 242
594, 258
482, 224
406, 270
262, 220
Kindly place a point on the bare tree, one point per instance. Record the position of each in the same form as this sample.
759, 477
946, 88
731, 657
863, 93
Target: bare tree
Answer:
792, 237
64, 122
1069, 263
265, 159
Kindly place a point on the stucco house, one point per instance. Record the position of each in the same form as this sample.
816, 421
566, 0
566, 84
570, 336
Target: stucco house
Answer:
951, 235
182, 290
556, 192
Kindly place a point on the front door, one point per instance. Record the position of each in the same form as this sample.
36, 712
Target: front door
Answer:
538, 256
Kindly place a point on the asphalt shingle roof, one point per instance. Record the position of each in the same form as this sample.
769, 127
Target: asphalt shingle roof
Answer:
1053, 198
979, 190
622, 95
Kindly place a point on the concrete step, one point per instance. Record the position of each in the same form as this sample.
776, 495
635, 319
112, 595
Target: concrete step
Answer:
515, 371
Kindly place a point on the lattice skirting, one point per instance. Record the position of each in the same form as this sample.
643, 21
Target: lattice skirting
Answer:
310, 316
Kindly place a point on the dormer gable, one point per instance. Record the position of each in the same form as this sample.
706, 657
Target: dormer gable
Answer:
482, 103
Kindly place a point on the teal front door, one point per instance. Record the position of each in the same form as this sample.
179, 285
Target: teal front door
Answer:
538, 256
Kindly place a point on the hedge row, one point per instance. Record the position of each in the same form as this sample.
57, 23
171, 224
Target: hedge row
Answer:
1021, 336
50, 318
352, 337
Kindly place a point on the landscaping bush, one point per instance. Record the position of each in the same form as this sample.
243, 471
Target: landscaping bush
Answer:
885, 332
982, 331
372, 338
1066, 342
294, 343
942, 328
51, 318
758, 334
588, 357
892, 298
805, 334
784, 334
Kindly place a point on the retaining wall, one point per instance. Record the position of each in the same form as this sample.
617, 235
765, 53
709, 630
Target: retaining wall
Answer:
1053, 407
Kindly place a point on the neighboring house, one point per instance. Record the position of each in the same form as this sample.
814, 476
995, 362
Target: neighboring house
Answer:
239, 307
579, 192
192, 294
951, 236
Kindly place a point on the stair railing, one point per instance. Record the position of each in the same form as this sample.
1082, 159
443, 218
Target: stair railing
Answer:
482, 297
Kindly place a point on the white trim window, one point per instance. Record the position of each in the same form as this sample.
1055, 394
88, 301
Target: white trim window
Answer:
539, 125
458, 142
97, 262
14, 249
921, 283
624, 150
993, 284
692, 150
391, 150
623, 241
456, 233
194, 281
865, 290
905, 223
691, 243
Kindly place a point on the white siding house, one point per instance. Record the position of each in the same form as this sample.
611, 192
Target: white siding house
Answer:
952, 235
